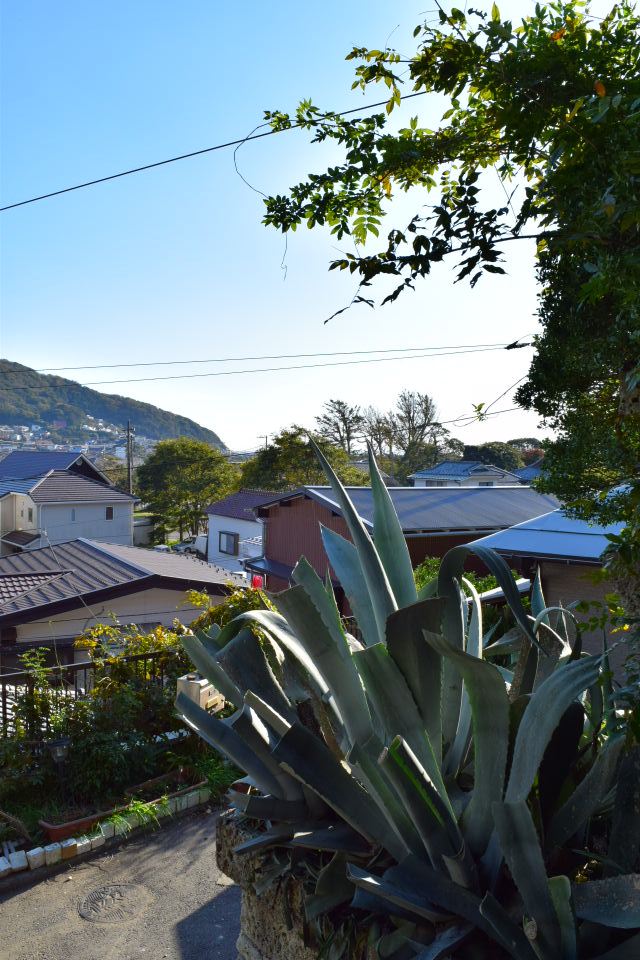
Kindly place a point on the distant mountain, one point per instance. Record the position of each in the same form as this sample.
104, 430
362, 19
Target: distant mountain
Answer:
63, 406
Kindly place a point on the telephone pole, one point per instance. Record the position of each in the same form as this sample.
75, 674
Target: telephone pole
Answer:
129, 458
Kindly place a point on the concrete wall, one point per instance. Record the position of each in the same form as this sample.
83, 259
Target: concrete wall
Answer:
90, 522
245, 530
14, 515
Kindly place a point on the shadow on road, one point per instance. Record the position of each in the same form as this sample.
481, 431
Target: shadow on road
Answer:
212, 930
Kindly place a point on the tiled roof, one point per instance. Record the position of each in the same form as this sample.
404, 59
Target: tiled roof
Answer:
440, 509
22, 464
35, 581
61, 486
458, 470
553, 536
240, 505
21, 538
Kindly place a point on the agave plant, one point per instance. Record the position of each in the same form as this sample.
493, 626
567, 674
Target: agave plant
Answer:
441, 789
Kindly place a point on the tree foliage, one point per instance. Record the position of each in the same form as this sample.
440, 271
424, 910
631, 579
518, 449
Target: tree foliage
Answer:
341, 424
553, 105
181, 478
496, 453
289, 462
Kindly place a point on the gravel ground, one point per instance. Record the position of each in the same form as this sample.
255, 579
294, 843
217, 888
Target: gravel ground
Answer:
159, 896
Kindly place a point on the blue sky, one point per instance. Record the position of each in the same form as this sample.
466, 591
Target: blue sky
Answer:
174, 264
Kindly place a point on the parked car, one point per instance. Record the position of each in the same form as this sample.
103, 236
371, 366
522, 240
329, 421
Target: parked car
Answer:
196, 545
162, 548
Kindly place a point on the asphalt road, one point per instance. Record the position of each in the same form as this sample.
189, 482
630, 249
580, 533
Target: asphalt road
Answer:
159, 896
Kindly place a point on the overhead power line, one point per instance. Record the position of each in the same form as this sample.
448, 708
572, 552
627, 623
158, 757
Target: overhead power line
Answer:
231, 373
276, 356
193, 153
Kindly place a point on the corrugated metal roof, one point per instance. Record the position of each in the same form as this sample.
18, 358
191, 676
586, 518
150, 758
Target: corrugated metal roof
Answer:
438, 509
553, 536
240, 505
61, 486
21, 464
21, 538
17, 486
81, 568
532, 472
458, 470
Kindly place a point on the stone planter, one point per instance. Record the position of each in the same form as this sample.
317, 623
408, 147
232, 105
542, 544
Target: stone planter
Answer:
272, 924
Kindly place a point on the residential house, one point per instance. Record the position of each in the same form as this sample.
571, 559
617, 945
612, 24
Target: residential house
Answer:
433, 520
463, 473
235, 533
49, 596
53, 497
531, 472
567, 552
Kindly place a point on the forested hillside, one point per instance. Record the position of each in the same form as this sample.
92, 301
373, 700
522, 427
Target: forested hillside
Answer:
28, 397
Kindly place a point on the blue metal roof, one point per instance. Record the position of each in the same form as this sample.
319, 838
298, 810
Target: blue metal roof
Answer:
442, 509
553, 536
17, 486
458, 470
22, 464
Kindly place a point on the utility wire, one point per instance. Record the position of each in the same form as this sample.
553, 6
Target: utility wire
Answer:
231, 373
276, 356
194, 153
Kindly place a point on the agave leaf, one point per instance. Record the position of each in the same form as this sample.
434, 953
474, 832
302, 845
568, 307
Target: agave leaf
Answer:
444, 942
269, 808
394, 704
624, 840
302, 755
419, 664
490, 713
332, 888
521, 851
431, 817
243, 660
614, 902
390, 541
274, 836
540, 719
221, 736
438, 889
277, 722
208, 667
329, 651
375, 578
428, 590
344, 559
628, 950
458, 748
560, 890
260, 739
332, 837
402, 836
505, 930
559, 758
409, 901
538, 605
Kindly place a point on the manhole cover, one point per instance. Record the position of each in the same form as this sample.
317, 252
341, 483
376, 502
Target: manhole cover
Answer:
113, 903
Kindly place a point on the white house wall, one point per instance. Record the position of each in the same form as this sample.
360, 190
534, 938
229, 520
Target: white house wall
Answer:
245, 529
90, 522
147, 609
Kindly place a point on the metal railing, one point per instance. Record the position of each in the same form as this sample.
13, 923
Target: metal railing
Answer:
74, 681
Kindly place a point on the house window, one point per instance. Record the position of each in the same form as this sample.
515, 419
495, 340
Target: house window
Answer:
73, 514
228, 543
108, 514
486, 483
30, 514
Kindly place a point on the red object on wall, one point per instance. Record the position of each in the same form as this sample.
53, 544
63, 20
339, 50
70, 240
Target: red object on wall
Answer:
256, 582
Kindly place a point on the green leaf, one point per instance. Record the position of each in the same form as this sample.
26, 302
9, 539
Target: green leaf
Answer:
328, 649
587, 796
208, 667
382, 599
505, 930
614, 902
390, 542
224, 738
396, 708
418, 662
540, 719
490, 713
560, 890
344, 559
521, 851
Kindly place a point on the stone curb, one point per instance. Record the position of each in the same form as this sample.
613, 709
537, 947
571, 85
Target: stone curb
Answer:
33, 862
